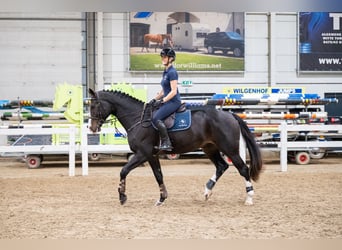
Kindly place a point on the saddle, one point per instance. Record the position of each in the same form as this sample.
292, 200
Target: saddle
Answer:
170, 121
177, 121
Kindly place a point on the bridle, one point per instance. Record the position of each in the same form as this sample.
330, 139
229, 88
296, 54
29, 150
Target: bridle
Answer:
99, 117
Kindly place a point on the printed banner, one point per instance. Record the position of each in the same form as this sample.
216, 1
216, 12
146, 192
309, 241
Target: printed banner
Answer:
320, 41
263, 90
203, 41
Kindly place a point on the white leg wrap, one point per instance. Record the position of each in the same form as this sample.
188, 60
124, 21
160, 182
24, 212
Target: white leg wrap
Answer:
213, 178
208, 192
250, 193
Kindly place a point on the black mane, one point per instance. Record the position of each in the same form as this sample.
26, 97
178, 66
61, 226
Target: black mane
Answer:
123, 95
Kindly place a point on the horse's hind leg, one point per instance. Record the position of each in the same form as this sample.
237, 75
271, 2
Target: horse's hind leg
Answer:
244, 172
221, 166
144, 47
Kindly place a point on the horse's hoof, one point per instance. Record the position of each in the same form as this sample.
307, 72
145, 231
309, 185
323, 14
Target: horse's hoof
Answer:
249, 202
207, 193
123, 199
160, 202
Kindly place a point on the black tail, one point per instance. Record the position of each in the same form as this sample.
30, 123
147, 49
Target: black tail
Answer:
253, 149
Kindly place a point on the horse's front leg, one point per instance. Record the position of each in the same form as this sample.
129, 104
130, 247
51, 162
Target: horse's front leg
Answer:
220, 169
155, 165
132, 164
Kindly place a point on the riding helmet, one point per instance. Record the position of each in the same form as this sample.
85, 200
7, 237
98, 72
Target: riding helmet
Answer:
168, 52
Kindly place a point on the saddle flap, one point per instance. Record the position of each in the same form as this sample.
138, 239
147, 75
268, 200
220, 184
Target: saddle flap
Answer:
179, 121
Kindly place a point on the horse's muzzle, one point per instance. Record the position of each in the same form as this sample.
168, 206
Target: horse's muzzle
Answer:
94, 129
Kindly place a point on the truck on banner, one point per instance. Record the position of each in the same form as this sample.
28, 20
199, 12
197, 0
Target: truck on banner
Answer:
320, 41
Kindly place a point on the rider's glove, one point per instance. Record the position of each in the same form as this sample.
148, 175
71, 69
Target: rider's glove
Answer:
152, 102
158, 103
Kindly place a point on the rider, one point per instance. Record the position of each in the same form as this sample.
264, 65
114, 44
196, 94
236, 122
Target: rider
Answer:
168, 98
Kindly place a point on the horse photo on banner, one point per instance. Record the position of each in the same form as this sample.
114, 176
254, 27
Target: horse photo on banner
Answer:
161, 41
203, 41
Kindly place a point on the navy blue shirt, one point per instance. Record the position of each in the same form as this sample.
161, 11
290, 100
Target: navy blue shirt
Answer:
169, 75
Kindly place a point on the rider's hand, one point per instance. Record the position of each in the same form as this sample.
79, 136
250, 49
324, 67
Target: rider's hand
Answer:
158, 103
152, 102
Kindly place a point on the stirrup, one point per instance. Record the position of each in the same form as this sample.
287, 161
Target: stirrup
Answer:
165, 147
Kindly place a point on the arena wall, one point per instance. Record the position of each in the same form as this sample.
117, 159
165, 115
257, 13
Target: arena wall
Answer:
68, 51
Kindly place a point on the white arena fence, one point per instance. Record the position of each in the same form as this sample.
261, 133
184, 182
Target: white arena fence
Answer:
317, 130
71, 148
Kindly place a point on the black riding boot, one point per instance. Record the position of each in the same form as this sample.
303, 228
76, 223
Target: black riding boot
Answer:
165, 143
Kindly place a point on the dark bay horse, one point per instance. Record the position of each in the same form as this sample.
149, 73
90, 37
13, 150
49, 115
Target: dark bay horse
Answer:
213, 130
161, 40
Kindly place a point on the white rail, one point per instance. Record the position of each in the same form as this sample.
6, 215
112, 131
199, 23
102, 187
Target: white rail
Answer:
286, 146
72, 148
43, 149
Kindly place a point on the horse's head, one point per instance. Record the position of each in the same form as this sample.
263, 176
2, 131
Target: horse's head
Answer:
98, 111
116, 102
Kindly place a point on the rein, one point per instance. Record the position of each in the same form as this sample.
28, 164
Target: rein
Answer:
128, 130
146, 115
142, 120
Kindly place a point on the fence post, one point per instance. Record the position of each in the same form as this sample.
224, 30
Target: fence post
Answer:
283, 146
84, 148
72, 149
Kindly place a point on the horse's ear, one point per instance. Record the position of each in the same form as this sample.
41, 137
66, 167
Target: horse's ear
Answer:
92, 93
